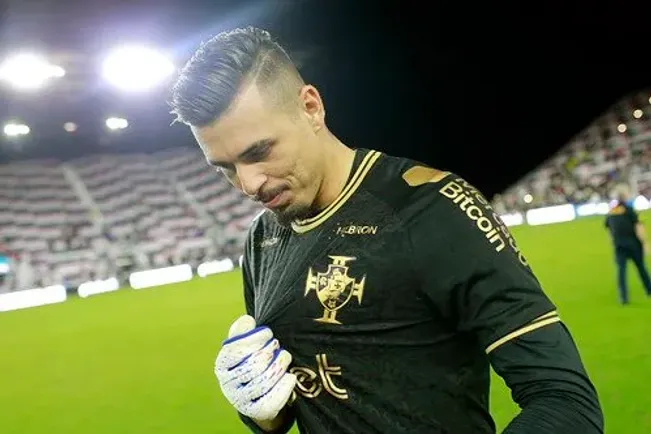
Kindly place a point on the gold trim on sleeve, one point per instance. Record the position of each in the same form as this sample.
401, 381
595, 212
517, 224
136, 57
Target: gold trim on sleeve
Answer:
542, 321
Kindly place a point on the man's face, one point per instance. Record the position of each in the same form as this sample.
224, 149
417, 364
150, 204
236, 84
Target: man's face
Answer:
267, 153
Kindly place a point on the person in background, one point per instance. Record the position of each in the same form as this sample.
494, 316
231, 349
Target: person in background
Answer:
629, 240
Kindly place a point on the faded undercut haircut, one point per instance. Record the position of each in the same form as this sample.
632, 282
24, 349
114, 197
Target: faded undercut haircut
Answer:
212, 78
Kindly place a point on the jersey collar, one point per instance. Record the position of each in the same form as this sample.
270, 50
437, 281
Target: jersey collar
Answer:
354, 181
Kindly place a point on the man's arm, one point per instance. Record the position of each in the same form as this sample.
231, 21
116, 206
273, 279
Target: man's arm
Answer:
543, 369
640, 231
282, 423
473, 269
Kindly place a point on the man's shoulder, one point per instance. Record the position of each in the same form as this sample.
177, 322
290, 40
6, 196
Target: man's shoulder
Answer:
621, 208
413, 188
432, 202
402, 181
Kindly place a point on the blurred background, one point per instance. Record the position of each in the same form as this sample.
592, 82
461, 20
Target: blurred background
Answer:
543, 110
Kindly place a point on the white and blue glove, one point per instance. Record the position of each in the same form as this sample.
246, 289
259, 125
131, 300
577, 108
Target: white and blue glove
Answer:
252, 370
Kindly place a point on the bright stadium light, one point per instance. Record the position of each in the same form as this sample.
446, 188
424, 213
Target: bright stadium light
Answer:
70, 127
621, 128
116, 123
28, 71
13, 130
136, 69
637, 114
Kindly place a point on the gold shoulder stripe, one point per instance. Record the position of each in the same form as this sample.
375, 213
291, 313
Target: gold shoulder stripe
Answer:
367, 163
419, 175
551, 314
540, 322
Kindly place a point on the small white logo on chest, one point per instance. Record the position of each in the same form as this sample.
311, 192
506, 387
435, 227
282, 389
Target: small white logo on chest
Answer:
269, 242
357, 230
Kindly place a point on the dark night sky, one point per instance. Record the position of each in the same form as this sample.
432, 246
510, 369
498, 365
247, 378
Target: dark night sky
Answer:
486, 92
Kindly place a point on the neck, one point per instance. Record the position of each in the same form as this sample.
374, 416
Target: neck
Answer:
338, 162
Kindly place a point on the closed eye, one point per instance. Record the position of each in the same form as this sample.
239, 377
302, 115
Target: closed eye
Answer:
258, 152
255, 153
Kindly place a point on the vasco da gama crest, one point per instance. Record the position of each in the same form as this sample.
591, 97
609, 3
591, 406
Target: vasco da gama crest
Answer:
334, 287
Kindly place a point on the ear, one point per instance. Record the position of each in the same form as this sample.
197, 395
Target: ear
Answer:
312, 106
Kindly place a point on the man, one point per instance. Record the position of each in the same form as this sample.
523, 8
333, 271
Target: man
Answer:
629, 240
378, 290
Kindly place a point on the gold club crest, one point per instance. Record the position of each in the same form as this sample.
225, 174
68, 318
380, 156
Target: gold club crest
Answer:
334, 287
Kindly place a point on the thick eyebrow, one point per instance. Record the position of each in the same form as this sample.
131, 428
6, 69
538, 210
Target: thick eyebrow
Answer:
251, 150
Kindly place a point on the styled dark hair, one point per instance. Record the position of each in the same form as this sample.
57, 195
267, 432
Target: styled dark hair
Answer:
211, 79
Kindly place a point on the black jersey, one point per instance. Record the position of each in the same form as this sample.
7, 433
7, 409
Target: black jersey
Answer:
621, 222
390, 300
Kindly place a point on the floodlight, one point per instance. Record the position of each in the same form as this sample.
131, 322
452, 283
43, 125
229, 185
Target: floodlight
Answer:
136, 69
116, 123
28, 71
13, 130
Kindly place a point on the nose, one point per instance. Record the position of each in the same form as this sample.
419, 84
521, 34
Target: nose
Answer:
250, 178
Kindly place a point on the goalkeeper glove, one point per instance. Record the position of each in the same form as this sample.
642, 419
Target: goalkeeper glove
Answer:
251, 368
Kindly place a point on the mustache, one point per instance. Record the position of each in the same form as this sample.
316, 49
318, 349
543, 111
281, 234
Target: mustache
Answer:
266, 196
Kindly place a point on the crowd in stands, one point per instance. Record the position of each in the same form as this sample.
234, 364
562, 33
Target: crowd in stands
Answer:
106, 216
608, 152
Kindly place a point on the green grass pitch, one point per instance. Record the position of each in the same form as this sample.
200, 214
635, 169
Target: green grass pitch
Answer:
138, 362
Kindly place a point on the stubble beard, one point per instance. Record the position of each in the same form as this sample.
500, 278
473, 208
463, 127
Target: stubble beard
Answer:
285, 217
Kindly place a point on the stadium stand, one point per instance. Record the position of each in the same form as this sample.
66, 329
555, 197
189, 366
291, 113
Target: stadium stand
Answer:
615, 148
109, 215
